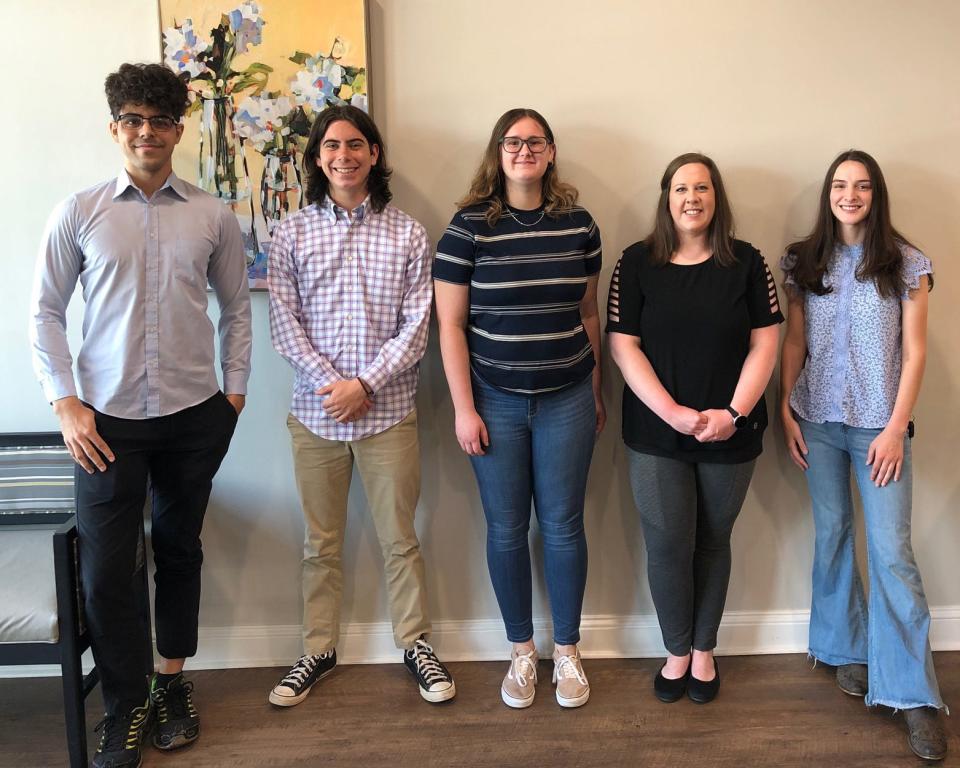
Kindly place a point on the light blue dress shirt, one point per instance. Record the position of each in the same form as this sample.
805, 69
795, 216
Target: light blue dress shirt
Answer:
144, 264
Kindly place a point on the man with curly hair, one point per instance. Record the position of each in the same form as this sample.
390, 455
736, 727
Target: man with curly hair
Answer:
350, 292
144, 245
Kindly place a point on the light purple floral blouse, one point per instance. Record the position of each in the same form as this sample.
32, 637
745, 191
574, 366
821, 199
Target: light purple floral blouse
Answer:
853, 362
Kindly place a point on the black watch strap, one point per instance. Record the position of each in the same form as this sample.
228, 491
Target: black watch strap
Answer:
739, 420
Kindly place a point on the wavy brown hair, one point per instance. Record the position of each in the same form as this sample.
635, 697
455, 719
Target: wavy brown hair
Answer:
488, 185
378, 182
662, 242
882, 259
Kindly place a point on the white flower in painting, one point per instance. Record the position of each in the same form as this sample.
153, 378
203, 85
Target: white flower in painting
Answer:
247, 25
316, 84
181, 46
359, 100
259, 119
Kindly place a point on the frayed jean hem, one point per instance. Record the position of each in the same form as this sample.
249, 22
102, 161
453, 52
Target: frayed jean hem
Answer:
896, 706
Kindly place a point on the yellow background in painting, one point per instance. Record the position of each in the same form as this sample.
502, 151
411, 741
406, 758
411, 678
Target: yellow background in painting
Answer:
291, 25
310, 26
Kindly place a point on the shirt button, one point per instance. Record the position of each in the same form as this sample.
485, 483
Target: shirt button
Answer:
349, 317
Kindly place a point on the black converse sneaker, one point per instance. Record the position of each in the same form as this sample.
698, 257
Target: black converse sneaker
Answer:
178, 723
435, 682
121, 736
300, 679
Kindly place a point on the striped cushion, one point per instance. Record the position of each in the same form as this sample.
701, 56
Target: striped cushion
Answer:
34, 478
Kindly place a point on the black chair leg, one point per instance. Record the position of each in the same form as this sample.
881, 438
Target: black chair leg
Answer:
74, 712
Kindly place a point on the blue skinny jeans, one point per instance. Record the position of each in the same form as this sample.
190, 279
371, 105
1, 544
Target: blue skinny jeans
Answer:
540, 450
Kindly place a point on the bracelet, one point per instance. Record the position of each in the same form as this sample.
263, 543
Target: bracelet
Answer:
366, 387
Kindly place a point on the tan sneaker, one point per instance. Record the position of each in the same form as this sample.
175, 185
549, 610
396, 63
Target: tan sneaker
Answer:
520, 685
573, 690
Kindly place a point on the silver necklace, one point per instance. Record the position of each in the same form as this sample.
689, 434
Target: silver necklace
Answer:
531, 224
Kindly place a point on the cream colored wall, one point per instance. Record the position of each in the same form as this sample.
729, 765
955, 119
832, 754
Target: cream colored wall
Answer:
771, 90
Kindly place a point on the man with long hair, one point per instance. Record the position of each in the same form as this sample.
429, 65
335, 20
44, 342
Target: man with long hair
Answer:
350, 292
144, 244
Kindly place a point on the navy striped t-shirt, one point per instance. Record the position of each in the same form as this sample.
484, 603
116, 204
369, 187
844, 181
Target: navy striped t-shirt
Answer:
527, 276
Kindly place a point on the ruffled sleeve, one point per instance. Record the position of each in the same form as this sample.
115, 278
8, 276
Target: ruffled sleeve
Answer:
914, 266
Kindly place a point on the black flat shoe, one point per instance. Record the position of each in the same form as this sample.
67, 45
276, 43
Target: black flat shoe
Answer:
667, 690
703, 692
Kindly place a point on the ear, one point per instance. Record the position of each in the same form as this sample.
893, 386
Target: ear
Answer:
375, 153
114, 130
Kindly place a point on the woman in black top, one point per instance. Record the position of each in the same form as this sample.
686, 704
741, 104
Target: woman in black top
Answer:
692, 320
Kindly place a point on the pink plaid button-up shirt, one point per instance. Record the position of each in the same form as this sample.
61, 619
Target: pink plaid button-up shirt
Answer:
350, 296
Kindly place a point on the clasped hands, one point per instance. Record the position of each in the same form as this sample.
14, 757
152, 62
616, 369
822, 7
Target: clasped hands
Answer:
710, 426
346, 400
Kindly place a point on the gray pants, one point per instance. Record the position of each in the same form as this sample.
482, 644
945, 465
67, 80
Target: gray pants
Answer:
687, 512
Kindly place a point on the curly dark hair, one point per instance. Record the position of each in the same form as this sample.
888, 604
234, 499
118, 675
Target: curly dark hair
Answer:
153, 85
378, 183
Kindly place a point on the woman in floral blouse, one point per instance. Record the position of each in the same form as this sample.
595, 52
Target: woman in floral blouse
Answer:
851, 368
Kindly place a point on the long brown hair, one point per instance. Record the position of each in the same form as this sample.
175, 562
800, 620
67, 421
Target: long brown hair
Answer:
882, 258
662, 242
488, 185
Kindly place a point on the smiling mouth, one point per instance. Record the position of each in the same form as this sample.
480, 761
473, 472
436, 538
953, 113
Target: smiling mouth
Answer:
692, 211
344, 170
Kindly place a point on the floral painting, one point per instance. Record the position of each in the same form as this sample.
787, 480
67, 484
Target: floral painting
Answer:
259, 72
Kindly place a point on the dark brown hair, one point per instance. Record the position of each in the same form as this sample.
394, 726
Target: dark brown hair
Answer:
488, 185
152, 85
378, 182
662, 242
882, 258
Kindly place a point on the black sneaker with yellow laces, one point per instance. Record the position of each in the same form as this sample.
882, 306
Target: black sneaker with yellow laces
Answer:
121, 737
178, 723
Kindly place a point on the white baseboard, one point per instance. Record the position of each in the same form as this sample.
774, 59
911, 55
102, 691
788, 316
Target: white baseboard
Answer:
741, 633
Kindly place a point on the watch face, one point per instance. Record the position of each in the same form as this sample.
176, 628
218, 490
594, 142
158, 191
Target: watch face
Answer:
740, 422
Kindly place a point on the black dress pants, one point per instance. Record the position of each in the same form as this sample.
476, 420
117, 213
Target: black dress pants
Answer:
179, 454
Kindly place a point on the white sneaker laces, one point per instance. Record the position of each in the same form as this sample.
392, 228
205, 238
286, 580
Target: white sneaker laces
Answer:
521, 667
569, 666
427, 663
302, 670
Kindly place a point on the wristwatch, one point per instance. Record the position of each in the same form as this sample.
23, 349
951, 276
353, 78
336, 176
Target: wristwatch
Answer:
739, 420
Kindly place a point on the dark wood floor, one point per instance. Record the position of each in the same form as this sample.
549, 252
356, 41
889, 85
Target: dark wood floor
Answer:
772, 711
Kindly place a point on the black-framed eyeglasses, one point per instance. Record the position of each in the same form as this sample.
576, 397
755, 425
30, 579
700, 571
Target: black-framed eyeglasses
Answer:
514, 144
131, 121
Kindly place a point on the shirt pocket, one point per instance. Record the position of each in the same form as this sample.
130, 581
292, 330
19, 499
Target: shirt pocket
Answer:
191, 258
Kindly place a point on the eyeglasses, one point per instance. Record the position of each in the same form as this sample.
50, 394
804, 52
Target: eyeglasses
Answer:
131, 121
514, 144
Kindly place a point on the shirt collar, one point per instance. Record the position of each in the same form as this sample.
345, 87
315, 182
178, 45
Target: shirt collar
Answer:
174, 183
333, 211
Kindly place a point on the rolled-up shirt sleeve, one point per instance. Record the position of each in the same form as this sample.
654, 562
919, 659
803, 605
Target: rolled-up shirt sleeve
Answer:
58, 267
227, 274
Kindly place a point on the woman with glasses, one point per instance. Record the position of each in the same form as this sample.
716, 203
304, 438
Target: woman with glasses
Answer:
516, 289
853, 360
692, 323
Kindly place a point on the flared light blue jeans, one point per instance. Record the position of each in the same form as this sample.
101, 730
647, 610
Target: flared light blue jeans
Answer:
890, 632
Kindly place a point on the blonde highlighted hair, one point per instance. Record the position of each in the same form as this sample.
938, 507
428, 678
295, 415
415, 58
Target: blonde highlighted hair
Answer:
488, 185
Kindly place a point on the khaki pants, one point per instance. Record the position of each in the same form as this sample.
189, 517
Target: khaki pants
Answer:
389, 466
